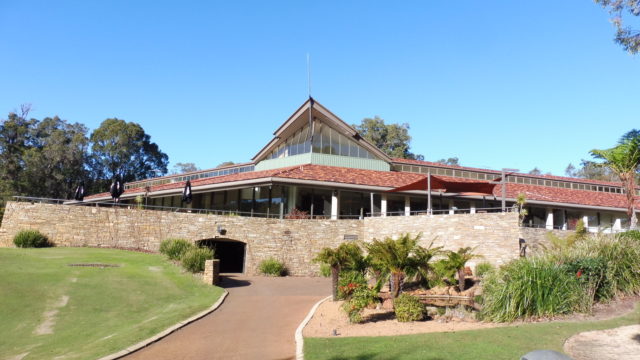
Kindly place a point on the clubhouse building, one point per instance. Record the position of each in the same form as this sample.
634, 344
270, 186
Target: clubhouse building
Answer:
318, 167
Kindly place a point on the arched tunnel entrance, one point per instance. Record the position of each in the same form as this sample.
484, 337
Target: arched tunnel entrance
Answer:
231, 253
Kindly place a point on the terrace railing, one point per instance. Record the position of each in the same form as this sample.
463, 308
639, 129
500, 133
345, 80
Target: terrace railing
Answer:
225, 212
592, 229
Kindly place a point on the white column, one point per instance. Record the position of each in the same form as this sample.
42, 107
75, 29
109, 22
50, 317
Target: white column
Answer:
549, 224
472, 207
334, 205
293, 196
451, 211
617, 224
383, 204
407, 206
585, 220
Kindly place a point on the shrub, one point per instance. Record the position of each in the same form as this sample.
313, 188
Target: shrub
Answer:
361, 297
591, 273
194, 258
174, 249
31, 239
408, 308
296, 213
349, 281
621, 254
325, 270
531, 287
441, 274
271, 267
483, 269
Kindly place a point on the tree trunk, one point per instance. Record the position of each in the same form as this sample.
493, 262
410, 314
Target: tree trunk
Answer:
461, 279
629, 183
396, 283
335, 273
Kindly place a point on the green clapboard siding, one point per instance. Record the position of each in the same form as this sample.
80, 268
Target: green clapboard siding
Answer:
324, 159
349, 162
294, 160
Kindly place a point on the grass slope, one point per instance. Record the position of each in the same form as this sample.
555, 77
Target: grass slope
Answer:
107, 310
498, 343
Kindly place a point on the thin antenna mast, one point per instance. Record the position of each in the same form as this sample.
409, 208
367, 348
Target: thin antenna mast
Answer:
311, 127
309, 75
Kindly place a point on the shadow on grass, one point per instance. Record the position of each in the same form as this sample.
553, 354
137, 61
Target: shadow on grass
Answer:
358, 357
373, 356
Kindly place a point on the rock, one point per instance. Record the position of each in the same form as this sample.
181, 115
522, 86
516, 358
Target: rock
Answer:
545, 355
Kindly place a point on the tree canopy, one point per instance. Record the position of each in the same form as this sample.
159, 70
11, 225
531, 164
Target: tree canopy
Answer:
41, 158
123, 148
590, 170
626, 36
181, 168
225, 163
393, 139
50, 157
450, 161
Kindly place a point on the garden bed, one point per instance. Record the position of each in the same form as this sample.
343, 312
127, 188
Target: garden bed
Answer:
381, 322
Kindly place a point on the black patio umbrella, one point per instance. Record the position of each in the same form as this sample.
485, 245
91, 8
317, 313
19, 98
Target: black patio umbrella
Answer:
186, 193
79, 194
116, 189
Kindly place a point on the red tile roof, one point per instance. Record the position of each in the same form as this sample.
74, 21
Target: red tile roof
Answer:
250, 175
341, 175
547, 177
394, 179
563, 195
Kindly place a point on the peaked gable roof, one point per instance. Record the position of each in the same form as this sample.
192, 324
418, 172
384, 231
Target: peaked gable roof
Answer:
319, 113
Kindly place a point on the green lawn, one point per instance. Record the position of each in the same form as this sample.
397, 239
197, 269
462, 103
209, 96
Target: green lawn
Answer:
497, 343
107, 309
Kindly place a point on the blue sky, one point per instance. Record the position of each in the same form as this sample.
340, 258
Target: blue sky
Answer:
496, 83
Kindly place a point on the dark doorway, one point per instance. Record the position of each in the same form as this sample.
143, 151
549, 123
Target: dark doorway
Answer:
229, 252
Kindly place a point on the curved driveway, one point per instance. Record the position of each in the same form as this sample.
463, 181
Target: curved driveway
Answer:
257, 320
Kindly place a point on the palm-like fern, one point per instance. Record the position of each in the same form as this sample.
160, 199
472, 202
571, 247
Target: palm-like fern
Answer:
624, 160
456, 260
395, 257
345, 256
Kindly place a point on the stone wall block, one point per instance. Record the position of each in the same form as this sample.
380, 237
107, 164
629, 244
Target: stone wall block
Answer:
295, 242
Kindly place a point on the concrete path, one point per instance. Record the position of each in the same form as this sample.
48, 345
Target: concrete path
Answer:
257, 320
611, 344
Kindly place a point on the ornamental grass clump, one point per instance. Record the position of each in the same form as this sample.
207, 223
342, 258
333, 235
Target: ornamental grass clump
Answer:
174, 249
408, 308
272, 267
484, 268
620, 253
31, 239
566, 278
193, 259
531, 287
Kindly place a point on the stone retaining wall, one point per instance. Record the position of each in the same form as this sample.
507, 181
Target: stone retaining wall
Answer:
295, 242
493, 235
536, 238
